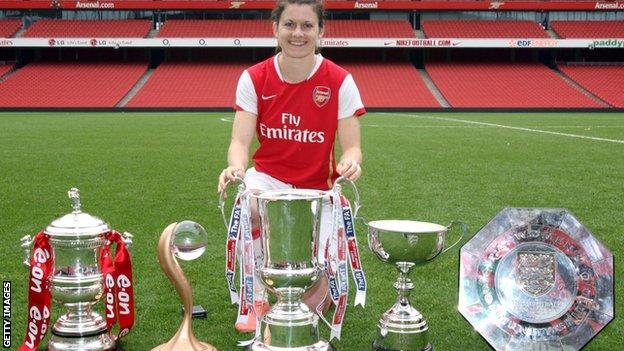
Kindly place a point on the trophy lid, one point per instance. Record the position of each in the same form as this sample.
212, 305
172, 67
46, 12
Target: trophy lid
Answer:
76, 223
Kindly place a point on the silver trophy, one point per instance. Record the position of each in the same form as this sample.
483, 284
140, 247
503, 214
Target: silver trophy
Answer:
406, 244
290, 232
536, 279
76, 282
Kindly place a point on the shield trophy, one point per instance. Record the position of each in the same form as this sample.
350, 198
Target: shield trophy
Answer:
289, 221
406, 244
536, 279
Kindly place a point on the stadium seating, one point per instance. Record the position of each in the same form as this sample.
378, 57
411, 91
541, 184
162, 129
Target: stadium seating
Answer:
505, 85
4, 69
483, 29
390, 85
9, 27
368, 29
588, 29
604, 81
78, 28
262, 29
216, 29
190, 84
69, 85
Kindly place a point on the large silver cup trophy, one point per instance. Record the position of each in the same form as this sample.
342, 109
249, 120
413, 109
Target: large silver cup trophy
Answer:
406, 244
76, 282
289, 222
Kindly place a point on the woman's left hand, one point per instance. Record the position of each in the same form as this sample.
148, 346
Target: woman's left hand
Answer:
349, 169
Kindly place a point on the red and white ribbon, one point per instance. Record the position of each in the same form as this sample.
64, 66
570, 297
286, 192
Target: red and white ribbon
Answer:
230, 249
39, 297
118, 287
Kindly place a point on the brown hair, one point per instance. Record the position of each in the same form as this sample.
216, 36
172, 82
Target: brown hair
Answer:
317, 6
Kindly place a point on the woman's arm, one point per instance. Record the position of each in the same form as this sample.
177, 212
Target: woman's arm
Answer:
351, 157
243, 131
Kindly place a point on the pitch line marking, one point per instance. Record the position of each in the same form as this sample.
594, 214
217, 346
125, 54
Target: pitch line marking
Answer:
511, 127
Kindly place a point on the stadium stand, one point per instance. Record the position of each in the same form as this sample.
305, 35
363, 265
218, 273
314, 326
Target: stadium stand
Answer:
505, 85
4, 69
216, 29
69, 84
604, 81
79, 28
190, 84
262, 29
483, 29
368, 29
9, 27
588, 29
391, 85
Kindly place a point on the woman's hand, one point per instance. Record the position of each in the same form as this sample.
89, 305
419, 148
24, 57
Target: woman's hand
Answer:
229, 174
349, 169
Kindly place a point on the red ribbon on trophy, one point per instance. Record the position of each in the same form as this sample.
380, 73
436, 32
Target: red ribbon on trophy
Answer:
39, 296
118, 288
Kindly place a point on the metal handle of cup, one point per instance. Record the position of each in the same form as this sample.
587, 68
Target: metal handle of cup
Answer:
241, 188
463, 231
26, 244
127, 239
338, 188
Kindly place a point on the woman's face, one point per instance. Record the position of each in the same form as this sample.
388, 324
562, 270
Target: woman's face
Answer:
297, 31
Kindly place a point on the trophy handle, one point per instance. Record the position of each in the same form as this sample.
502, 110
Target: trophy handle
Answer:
241, 188
338, 188
464, 230
26, 244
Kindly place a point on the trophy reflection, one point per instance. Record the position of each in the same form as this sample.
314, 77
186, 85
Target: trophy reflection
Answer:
406, 244
186, 240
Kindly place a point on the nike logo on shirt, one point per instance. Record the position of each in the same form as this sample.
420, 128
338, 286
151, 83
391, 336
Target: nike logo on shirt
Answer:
268, 97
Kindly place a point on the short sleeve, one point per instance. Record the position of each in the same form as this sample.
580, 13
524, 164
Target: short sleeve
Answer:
246, 98
350, 103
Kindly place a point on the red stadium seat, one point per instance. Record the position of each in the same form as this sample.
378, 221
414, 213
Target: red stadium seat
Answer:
505, 85
78, 29
588, 29
604, 81
9, 27
483, 29
69, 84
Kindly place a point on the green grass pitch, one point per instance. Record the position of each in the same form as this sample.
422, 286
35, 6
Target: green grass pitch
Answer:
142, 171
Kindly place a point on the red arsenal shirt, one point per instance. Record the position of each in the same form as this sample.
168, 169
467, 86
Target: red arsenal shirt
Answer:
296, 123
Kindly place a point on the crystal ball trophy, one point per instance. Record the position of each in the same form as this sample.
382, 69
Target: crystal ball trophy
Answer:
76, 282
187, 241
406, 244
536, 279
289, 222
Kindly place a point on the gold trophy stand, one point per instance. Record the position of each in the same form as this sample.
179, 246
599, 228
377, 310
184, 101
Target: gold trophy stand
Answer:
183, 340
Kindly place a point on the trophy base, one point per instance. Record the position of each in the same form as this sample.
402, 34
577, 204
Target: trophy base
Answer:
98, 342
168, 347
377, 347
319, 346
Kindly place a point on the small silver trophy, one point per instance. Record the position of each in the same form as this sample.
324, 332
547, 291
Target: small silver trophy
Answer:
536, 279
406, 244
289, 235
76, 282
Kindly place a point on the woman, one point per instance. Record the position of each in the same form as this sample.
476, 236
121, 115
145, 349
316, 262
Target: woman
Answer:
296, 102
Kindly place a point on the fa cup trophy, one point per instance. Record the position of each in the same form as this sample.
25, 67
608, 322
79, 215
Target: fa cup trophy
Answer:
289, 234
406, 244
69, 263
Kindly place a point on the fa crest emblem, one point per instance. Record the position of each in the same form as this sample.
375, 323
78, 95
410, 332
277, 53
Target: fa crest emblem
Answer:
536, 272
321, 95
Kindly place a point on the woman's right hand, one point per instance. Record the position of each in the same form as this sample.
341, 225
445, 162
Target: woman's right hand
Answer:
229, 174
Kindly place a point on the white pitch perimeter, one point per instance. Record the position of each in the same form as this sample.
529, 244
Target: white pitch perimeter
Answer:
509, 127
